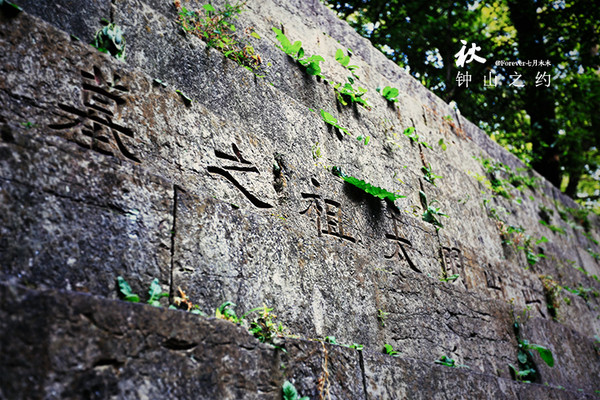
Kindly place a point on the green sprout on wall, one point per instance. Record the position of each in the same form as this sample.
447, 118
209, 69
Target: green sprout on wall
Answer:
295, 51
431, 213
216, 29
450, 278
382, 316
367, 187
331, 120
348, 92
449, 362
525, 371
155, 292
290, 392
389, 93
429, 176
411, 133
110, 40
389, 350
344, 60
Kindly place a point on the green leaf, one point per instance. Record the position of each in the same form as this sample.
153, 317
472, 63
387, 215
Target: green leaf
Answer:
255, 35
544, 353
367, 187
423, 199
15, 7
295, 48
442, 144
330, 119
155, 293
331, 339
186, 99
522, 356
339, 54
227, 310
390, 93
289, 391
285, 42
126, 291
209, 8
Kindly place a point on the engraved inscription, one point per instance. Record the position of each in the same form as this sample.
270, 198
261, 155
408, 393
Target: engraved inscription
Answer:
236, 162
93, 127
493, 281
400, 244
530, 296
454, 261
327, 216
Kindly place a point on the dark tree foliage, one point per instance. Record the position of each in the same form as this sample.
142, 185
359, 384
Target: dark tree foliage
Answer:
556, 129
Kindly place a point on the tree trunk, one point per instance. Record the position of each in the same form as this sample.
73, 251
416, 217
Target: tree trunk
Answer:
539, 101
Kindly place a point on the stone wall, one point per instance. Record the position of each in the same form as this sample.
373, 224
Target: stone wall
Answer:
105, 171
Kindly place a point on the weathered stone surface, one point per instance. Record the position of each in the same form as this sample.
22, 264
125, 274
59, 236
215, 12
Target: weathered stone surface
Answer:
319, 370
73, 220
398, 378
63, 345
59, 344
578, 356
105, 172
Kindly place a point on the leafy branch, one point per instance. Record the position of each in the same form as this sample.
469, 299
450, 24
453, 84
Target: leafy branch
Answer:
295, 51
367, 187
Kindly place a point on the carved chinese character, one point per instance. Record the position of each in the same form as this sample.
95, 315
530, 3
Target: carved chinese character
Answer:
93, 127
240, 164
400, 244
327, 215
453, 261
493, 281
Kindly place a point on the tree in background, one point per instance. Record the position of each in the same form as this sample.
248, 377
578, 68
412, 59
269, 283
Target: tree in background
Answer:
552, 122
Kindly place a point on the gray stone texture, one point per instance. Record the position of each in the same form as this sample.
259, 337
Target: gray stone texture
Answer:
105, 172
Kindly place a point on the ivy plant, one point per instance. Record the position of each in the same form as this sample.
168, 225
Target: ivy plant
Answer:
350, 93
110, 40
295, 51
155, 292
431, 213
290, 392
367, 187
389, 93
216, 28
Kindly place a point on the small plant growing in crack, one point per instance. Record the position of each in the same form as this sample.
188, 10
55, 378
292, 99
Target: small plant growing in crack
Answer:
110, 40
367, 187
331, 120
351, 93
431, 213
429, 176
450, 278
296, 52
344, 60
155, 292
449, 362
216, 29
389, 93
526, 369
411, 133
290, 392
389, 350
382, 316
